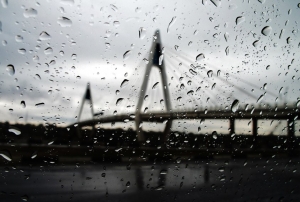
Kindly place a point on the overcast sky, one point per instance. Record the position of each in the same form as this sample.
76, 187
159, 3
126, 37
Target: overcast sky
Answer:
87, 40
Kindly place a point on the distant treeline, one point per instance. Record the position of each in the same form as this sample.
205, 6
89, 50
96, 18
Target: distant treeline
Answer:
52, 134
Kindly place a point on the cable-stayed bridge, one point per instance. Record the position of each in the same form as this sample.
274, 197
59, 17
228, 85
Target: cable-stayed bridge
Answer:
232, 113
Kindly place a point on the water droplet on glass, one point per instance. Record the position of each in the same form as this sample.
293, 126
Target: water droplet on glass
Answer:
48, 51
33, 155
30, 13
235, 105
10, 69
37, 76
171, 23
116, 23
127, 54
226, 36
163, 172
200, 57
6, 155
14, 130
22, 51
155, 85
266, 30
209, 73
218, 72
44, 36
191, 92
262, 1
40, 104
217, 3
113, 7
119, 101
214, 134
128, 184
124, 83
64, 22
25, 198
160, 60
19, 38
260, 98
255, 43
239, 20
142, 33
193, 72
23, 104
179, 99
146, 61
35, 58
227, 50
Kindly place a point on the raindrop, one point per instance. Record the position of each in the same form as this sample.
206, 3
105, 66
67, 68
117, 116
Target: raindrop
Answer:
171, 23
30, 13
6, 155
35, 58
239, 20
182, 86
209, 73
19, 38
191, 92
73, 56
48, 51
213, 86
214, 134
218, 72
34, 154
255, 43
116, 23
265, 86
14, 130
163, 172
160, 60
128, 184
235, 105
127, 54
179, 99
176, 47
23, 104
10, 69
260, 98
44, 36
64, 22
113, 7
199, 129
266, 30
227, 50
117, 92
142, 33
40, 104
146, 61
226, 36
124, 83
217, 3
119, 101
22, 51
262, 1
25, 198
155, 85
37, 76
193, 72
200, 57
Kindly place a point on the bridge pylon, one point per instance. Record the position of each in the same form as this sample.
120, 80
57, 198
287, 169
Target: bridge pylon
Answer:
155, 60
87, 97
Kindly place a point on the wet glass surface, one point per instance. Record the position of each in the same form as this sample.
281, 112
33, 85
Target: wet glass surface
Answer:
143, 100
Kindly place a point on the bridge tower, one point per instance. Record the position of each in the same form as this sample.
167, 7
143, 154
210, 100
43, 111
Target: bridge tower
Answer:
87, 97
155, 60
